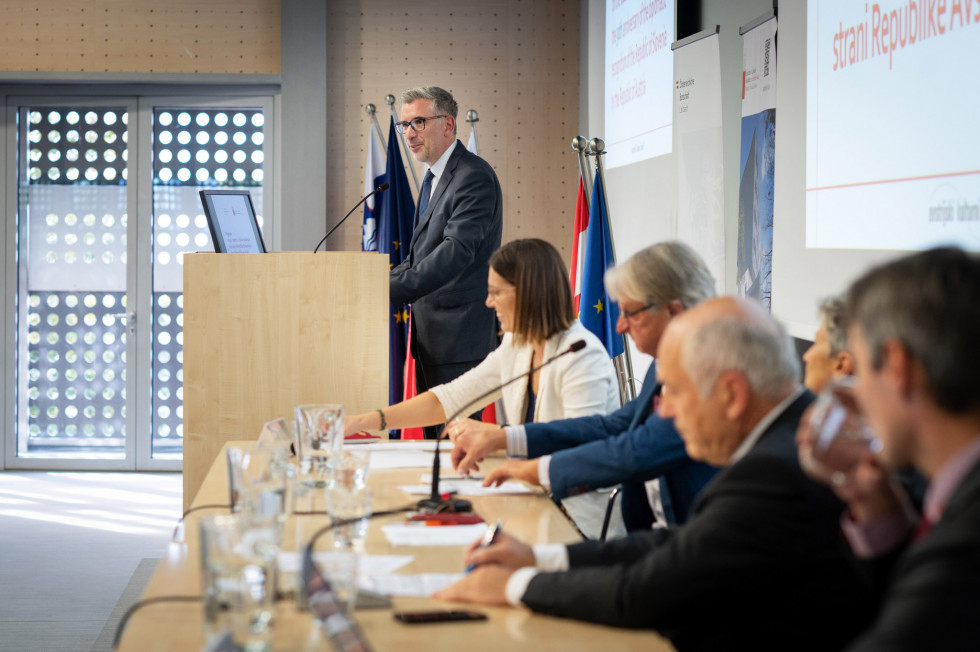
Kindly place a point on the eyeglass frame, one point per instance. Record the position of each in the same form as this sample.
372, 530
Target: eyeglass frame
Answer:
402, 127
633, 313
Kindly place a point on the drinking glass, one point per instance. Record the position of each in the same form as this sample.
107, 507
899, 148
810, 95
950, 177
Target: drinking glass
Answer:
261, 482
349, 469
839, 434
344, 504
320, 434
238, 564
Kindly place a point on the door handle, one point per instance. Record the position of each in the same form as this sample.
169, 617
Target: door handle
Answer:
129, 318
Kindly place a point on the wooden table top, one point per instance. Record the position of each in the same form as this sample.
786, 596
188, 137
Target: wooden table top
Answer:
532, 518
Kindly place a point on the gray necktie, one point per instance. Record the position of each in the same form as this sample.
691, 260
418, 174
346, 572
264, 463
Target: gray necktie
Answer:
424, 194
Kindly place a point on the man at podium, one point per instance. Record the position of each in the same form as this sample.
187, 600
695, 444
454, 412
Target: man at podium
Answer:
458, 223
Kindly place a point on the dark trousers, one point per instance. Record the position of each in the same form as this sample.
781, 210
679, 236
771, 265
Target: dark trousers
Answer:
429, 376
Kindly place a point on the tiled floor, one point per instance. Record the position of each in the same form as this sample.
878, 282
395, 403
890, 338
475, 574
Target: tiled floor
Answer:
69, 543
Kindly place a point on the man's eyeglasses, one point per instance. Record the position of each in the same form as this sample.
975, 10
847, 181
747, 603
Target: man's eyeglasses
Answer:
418, 124
633, 313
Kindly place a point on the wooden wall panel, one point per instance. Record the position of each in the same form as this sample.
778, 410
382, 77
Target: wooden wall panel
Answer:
516, 62
176, 36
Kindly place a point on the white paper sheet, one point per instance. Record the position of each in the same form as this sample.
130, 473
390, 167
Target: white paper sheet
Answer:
426, 478
444, 535
403, 446
388, 459
290, 562
409, 586
468, 488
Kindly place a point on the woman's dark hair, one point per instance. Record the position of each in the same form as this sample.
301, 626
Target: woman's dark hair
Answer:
543, 300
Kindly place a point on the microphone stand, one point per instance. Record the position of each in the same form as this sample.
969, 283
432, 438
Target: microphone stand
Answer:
383, 186
434, 502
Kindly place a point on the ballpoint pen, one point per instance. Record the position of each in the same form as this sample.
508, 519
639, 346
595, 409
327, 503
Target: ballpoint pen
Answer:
488, 539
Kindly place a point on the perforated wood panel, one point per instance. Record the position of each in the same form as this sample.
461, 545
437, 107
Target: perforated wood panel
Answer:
514, 61
176, 36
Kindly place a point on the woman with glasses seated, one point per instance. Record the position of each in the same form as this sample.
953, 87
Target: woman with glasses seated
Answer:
529, 290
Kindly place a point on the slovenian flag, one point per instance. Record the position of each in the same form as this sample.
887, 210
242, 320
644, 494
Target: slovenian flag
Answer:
395, 223
596, 311
374, 176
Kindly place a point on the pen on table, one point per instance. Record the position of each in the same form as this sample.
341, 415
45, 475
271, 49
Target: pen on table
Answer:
488, 539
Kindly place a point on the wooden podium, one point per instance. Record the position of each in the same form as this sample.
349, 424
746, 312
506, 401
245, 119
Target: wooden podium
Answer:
264, 333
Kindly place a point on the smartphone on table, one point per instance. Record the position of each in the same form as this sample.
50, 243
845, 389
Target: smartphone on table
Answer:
438, 616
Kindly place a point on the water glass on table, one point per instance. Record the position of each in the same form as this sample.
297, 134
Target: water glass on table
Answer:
349, 504
839, 434
349, 469
319, 435
238, 564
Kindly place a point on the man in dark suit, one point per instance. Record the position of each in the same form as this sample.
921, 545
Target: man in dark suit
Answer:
458, 223
759, 564
913, 334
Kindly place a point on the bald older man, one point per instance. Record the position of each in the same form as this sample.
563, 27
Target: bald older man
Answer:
760, 564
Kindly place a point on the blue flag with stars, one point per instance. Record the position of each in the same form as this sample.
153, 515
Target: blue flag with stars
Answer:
395, 225
596, 311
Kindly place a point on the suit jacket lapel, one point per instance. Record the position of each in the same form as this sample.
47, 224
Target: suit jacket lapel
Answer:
645, 399
516, 393
444, 181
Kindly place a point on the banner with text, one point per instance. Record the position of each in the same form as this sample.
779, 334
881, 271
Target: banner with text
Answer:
755, 190
697, 147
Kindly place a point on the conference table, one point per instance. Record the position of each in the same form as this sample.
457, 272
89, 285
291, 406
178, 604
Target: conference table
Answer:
532, 517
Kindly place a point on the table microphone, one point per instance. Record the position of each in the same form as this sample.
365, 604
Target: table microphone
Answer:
433, 503
383, 186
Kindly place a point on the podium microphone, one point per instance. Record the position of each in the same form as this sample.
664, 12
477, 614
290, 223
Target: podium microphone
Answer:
383, 186
434, 502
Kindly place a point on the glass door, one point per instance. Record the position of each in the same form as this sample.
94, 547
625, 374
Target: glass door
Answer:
74, 324
107, 205
194, 144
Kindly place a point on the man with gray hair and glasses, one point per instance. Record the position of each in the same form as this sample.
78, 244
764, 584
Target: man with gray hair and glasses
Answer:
633, 446
913, 334
759, 565
458, 224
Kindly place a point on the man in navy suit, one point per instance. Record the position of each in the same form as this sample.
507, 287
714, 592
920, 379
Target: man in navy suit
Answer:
634, 445
458, 224
759, 565
913, 335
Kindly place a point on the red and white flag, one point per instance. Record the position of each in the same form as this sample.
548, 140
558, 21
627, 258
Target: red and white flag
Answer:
578, 244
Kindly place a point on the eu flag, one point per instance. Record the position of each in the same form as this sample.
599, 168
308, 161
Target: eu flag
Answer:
394, 237
596, 311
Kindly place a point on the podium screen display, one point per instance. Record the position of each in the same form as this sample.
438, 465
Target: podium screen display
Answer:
231, 219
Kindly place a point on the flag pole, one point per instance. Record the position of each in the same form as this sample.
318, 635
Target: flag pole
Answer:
597, 148
372, 111
390, 101
580, 145
472, 117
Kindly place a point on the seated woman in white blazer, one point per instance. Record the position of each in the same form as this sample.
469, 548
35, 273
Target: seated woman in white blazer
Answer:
528, 288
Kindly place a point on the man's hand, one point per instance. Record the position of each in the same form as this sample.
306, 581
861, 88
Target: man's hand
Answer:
485, 585
526, 470
506, 551
473, 444
868, 489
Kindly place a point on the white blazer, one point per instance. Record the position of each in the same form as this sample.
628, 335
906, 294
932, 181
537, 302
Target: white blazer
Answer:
579, 384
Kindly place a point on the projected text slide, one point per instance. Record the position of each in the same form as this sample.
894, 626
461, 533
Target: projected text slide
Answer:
893, 139
639, 79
